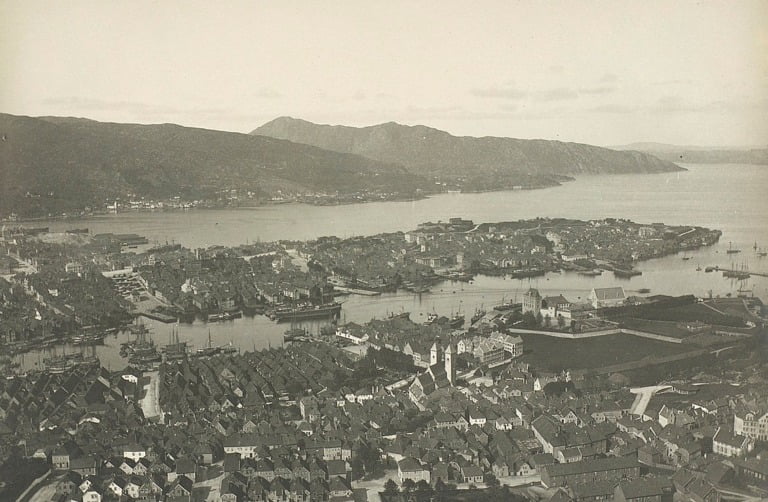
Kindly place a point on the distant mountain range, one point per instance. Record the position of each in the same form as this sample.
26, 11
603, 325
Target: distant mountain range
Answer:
50, 165
701, 154
53, 164
428, 151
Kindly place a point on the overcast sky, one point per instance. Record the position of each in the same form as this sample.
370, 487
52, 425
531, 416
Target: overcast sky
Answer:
597, 72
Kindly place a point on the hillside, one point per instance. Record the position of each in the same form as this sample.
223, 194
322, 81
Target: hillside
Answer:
50, 165
701, 154
429, 151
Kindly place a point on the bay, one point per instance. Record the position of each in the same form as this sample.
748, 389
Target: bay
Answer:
732, 198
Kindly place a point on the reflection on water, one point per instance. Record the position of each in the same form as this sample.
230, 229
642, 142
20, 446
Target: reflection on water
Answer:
729, 198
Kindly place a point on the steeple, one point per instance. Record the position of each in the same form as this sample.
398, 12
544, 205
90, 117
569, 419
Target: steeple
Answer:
434, 354
450, 370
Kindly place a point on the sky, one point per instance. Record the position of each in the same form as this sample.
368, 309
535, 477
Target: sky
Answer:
599, 72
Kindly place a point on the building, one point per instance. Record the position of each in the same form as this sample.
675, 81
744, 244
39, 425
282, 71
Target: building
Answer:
752, 423
554, 306
651, 489
411, 468
731, 445
590, 471
607, 297
532, 301
513, 345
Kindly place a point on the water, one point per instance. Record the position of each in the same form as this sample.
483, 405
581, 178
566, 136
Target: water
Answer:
731, 198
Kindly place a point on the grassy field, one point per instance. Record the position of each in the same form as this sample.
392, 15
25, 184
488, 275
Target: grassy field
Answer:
555, 354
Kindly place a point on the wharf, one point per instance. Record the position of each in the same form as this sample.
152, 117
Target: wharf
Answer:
734, 271
355, 291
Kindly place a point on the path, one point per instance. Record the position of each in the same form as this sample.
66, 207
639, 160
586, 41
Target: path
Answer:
150, 403
644, 395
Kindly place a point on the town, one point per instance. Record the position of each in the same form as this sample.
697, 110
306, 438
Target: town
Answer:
55, 285
612, 396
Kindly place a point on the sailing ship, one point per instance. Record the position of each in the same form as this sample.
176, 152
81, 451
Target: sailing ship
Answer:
731, 249
479, 314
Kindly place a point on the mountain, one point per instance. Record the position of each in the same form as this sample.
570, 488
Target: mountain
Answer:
429, 151
701, 154
55, 164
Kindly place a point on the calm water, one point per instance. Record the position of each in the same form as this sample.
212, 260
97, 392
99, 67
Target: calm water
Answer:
732, 198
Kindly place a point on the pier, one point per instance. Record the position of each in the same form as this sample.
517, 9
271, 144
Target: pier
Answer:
734, 271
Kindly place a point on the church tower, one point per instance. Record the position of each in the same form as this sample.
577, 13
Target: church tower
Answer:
450, 369
434, 354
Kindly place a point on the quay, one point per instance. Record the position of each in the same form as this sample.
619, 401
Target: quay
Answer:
734, 271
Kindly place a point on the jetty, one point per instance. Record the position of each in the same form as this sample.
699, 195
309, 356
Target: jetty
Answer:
735, 272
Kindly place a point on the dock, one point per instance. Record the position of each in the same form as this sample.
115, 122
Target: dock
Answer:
734, 271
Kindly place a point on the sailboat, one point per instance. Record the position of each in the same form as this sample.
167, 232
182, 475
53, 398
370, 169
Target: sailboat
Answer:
208, 350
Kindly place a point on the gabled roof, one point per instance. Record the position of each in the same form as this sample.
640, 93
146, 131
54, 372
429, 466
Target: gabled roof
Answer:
616, 293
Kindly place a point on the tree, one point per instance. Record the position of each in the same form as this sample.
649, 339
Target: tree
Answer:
547, 320
560, 322
440, 486
423, 487
390, 487
539, 319
491, 479
408, 485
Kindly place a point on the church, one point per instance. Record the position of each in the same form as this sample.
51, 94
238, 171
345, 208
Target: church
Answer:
440, 373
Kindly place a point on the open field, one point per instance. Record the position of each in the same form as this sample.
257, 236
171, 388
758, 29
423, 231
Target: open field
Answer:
556, 354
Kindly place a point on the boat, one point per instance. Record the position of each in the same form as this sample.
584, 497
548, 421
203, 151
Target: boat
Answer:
60, 364
698, 268
731, 249
644, 291
401, 315
229, 349
89, 338
431, 318
326, 310
709, 269
479, 314
224, 316
206, 351
457, 321
618, 272
591, 273
295, 334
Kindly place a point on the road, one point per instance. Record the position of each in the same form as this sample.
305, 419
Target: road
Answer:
150, 403
644, 395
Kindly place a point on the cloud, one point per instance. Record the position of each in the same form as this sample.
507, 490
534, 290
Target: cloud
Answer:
603, 89
99, 105
613, 108
558, 94
499, 93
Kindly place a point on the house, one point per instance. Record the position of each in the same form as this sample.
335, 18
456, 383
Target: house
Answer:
180, 487
85, 466
69, 484
554, 306
607, 297
751, 422
61, 456
589, 471
731, 445
412, 468
532, 301
472, 474
134, 452
649, 489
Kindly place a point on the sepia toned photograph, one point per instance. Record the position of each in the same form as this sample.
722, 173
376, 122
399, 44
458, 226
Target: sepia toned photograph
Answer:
365, 251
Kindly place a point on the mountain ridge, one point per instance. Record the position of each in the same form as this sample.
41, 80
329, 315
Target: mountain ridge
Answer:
429, 151
702, 154
58, 164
